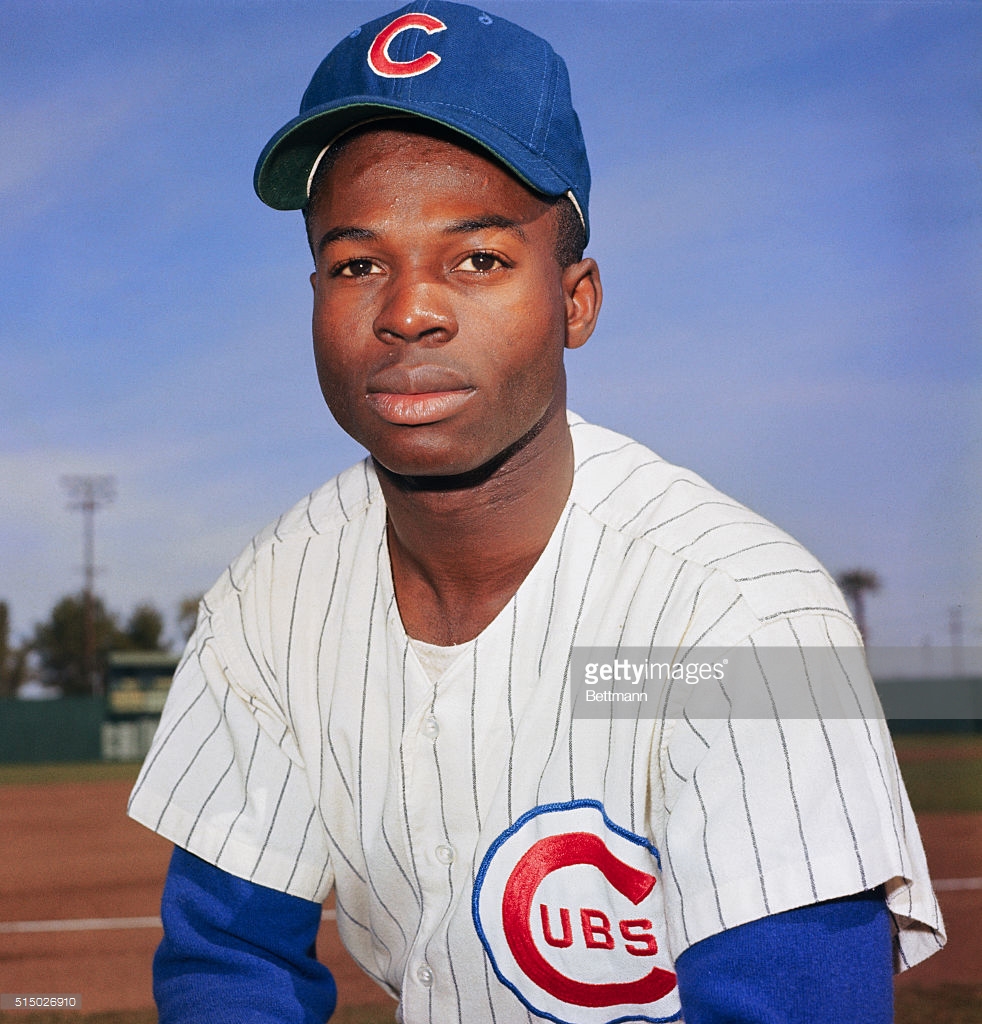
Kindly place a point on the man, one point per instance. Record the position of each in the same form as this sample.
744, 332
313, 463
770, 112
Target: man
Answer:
380, 699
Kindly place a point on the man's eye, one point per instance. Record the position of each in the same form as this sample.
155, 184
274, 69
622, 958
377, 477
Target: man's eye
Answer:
481, 262
355, 268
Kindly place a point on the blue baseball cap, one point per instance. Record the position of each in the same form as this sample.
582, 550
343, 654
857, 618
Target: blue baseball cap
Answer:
494, 82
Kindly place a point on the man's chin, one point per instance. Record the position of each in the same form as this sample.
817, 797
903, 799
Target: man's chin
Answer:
435, 467
416, 478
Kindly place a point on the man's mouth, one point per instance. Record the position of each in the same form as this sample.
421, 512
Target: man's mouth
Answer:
416, 395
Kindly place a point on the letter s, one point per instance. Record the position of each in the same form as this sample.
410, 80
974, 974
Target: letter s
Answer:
640, 941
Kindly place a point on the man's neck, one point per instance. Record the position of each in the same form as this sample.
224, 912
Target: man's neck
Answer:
461, 547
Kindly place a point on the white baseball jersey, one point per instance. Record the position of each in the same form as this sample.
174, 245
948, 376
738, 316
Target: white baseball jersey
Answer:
496, 857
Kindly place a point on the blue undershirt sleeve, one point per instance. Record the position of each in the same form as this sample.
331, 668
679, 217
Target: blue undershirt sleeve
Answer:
826, 962
235, 952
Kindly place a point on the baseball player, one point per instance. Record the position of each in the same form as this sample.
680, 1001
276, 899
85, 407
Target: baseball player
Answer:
381, 697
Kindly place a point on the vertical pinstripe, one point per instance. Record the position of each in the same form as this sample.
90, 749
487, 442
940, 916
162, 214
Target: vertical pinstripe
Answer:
789, 773
751, 828
834, 765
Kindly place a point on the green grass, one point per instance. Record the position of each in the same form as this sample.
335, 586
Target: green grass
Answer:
90, 771
954, 742
950, 781
944, 785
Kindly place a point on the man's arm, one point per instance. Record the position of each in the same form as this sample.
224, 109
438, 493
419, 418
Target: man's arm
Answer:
826, 962
235, 952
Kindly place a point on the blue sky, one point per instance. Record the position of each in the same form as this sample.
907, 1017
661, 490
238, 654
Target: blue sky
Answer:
787, 212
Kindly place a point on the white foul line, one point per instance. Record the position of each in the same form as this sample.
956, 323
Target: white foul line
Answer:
952, 884
96, 924
79, 924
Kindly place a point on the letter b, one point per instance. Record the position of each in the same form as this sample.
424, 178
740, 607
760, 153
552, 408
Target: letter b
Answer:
596, 929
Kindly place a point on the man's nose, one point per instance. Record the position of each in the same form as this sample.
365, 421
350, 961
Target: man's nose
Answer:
415, 309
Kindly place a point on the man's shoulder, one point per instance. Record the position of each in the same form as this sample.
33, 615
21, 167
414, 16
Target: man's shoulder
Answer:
648, 499
639, 493
321, 516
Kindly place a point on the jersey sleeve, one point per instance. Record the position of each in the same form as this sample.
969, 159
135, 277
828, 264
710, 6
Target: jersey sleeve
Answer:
766, 814
224, 778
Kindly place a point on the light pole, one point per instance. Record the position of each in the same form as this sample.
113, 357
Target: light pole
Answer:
88, 494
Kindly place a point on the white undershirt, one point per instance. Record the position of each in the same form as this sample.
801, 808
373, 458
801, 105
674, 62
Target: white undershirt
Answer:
435, 658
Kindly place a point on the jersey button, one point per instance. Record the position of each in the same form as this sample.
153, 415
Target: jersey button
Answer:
445, 854
424, 975
431, 727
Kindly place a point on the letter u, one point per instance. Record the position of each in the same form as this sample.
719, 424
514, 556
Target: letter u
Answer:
567, 938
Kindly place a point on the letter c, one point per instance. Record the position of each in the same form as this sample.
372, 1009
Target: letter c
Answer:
378, 55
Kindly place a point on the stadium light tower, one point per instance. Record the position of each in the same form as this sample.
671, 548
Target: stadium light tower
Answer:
88, 494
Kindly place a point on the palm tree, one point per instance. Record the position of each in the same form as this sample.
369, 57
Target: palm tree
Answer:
855, 583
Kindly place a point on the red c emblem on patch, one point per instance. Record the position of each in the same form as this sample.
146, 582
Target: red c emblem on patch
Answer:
378, 55
569, 908
548, 855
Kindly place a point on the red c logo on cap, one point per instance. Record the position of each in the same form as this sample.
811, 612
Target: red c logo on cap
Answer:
378, 55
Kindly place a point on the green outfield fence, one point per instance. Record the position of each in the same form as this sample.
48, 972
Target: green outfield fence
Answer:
120, 726
116, 727
71, 729
68, 729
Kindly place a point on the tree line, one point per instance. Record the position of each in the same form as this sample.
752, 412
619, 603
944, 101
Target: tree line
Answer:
56, 648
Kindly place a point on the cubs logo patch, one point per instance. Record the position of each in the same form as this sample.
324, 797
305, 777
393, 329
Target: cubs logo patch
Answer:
568, 906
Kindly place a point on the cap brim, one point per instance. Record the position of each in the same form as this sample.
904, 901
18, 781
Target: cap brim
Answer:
283, 169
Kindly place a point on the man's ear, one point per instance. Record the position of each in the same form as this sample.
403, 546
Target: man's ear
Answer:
584, 295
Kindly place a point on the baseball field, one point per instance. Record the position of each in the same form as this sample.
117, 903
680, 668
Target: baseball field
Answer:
80, 883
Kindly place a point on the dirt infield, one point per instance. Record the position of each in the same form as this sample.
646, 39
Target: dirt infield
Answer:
70, 854
953, 843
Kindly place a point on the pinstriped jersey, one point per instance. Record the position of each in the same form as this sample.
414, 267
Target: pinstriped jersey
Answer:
494, 855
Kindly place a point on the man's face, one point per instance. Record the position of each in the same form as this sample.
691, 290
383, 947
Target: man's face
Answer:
440, 311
